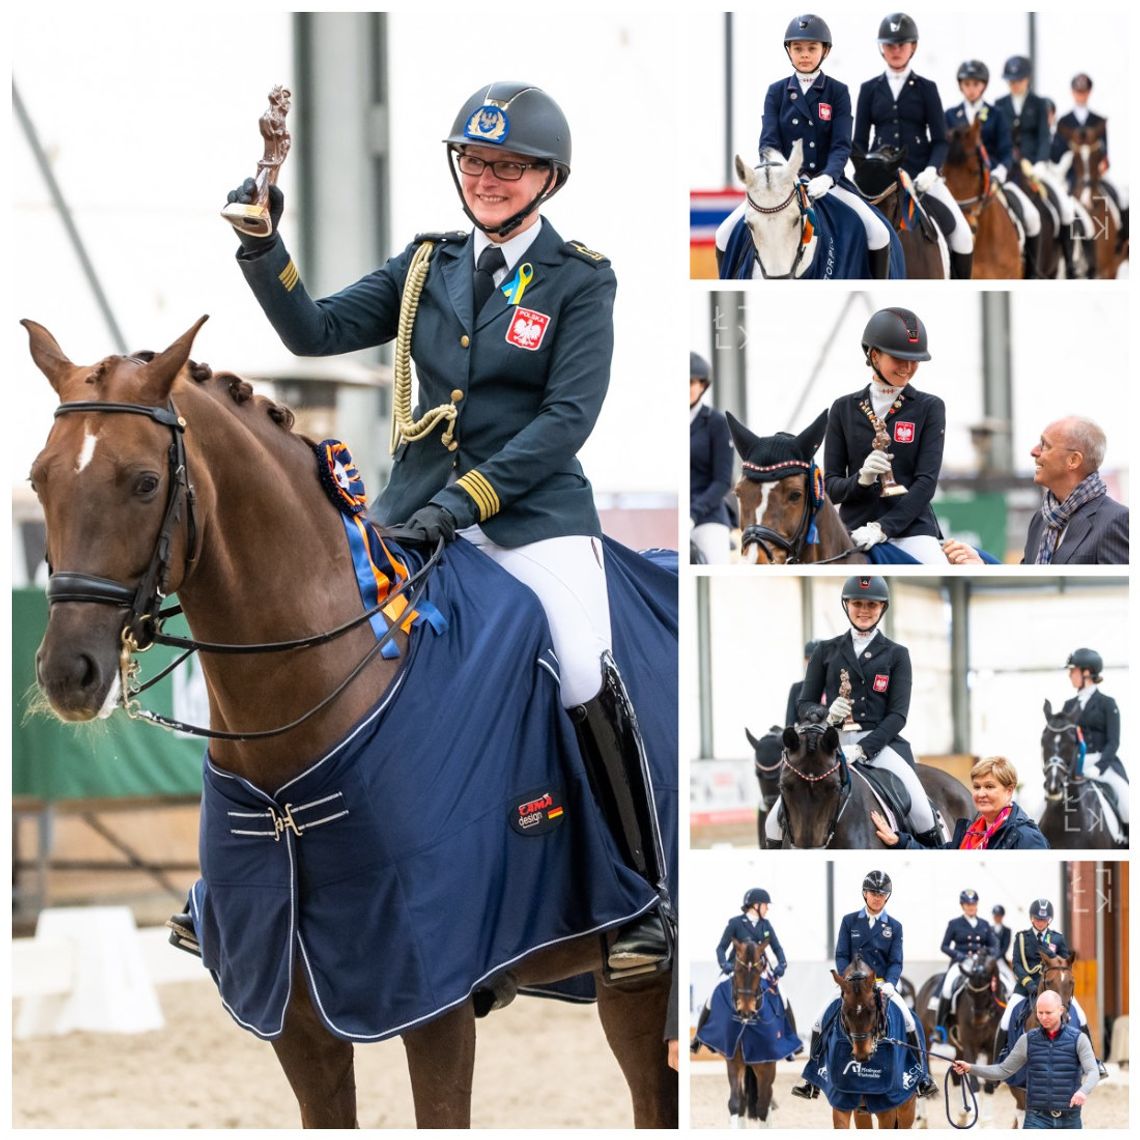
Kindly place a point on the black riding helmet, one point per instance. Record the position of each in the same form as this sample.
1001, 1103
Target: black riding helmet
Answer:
757, 896
973, 69
897, 332
699, 368
809, 29
520, 118
1041, 908
874, 588
1086, 659
968, 896
878, 881
811, 646
898, 28
999, 910
1017, 67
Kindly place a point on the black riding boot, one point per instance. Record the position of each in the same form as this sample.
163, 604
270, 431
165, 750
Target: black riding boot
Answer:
1101, 1070
612, 749
807, 1090
1089, 248
1030, 256
694, 1045
182, 932
932, 838
942, 1017
961, 266
1067, 253
880, 262
999, 1044
925, 1086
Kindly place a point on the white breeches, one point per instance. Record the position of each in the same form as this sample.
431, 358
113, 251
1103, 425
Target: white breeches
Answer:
961, 240
1029, 210
953, 973
713, 541
877, 233
1119, 786
1058, 186
724, 230
921, 818
1076, 1014
925, 547
1006, 972
569, 577
894, 999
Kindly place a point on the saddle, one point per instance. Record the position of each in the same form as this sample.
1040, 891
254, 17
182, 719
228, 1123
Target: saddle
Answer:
1108, 794
889, 788
940, 213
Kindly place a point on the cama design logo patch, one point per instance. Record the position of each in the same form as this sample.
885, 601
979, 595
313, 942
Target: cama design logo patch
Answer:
537, 812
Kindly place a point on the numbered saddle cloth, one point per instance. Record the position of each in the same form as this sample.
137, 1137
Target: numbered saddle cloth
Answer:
766, 1037
450, 833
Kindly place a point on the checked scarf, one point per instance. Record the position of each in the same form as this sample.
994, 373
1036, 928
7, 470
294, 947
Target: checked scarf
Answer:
1057, 514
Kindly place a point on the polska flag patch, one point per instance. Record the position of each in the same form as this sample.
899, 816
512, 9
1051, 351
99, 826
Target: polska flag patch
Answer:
527, 328
825, 112
881, 681
904, 432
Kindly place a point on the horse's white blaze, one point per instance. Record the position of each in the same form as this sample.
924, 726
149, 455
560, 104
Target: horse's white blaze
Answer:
87, 451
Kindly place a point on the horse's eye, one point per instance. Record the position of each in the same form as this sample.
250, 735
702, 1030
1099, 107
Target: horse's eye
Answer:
795, 496
146, 484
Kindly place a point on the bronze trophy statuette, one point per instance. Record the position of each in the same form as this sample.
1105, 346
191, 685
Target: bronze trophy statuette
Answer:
881, 442
254, 219
849, 725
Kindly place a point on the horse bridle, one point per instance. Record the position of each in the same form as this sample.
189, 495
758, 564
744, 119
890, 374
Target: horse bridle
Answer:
844, 784
747, 990
1057, 760
143, 599
142, 627
799, 194
876, 1033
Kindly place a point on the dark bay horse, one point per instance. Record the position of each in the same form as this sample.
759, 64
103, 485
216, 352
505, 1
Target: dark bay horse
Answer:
880, 179
1074, 814
219, 502
749, 1083
828, 804
997, 250
769, 759
1108, 248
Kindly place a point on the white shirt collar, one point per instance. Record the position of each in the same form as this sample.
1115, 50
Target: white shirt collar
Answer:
880, 917
1085, 695
513, 248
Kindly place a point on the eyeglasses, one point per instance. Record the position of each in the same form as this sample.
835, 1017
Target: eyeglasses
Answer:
505, 169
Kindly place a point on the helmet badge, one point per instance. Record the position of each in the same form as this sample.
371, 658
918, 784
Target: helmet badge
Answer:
488, 124
895, 25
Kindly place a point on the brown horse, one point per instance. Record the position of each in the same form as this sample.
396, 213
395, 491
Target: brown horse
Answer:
1109, 247
230, 492
997, 250
864, 1022
880, 179
749, 1083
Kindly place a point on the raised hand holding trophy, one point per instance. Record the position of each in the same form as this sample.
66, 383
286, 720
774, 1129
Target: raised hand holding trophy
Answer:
881, 442
849, 725
254, 218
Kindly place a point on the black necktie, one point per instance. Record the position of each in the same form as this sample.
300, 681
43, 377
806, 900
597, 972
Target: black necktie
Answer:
490, 260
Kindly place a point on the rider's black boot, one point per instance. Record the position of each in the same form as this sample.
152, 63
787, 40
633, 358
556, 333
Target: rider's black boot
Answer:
807, 1090
942, 1017
932, 838
999, 1044
880, 262
694, 1045
614, 754
925, 1086
1067, 253
1030, 256
961, 266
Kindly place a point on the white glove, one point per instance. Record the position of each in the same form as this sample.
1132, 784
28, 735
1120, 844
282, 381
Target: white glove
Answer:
999, 173
692, 522
924, 179
853, 752
888, 989
819, 186
864, 537
876, 464
839, 710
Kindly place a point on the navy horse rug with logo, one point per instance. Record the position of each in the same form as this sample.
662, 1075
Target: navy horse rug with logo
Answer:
766, 1037
879, 1084
452, 832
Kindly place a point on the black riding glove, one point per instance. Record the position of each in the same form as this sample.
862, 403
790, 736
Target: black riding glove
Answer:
430, 524
246, 194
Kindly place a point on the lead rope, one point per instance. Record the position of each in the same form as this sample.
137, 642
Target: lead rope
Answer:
404, 429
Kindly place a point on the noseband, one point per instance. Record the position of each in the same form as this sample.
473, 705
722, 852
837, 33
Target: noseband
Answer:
797, 194
143, 599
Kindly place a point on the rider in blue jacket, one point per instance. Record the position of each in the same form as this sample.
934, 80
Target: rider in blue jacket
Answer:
966, 934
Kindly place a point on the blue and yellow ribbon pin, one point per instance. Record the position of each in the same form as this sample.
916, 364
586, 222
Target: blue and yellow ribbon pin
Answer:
516, 287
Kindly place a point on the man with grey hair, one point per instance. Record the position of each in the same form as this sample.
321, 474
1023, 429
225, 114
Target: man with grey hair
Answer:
1078, 521
1061, 1067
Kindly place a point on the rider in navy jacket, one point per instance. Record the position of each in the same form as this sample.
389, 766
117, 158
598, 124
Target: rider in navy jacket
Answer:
1098, 717
710, 468
966, 934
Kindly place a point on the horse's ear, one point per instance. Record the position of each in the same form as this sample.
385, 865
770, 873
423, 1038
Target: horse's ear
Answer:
742, 439
743, 171
791, 738
811, 437
47, 354
831, 738
1072, 957
796, 158
839, 980
159, 374
1048, 709
751, 739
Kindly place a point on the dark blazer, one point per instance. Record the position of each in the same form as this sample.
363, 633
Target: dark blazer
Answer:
1100, 724
915, 121
528, 380
820, 117
1026, 963
996, 135
961, 938
743, 931
710, 467
880, 945
917, 425
880, 688
1004, 937
1019, 832
1069, 123
1097, 534
1030, 129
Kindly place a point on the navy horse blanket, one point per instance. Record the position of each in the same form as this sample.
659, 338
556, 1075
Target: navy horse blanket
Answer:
840, 252
884, 1082
452, 832
766, 1037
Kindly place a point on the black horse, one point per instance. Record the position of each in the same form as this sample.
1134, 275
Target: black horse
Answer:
1074, 814
827, 803
769, 754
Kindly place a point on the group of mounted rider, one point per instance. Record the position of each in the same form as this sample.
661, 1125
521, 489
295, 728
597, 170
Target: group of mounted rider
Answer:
869, 954
900, 121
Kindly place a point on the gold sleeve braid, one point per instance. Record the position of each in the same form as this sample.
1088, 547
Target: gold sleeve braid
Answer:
404, 429
481, 492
